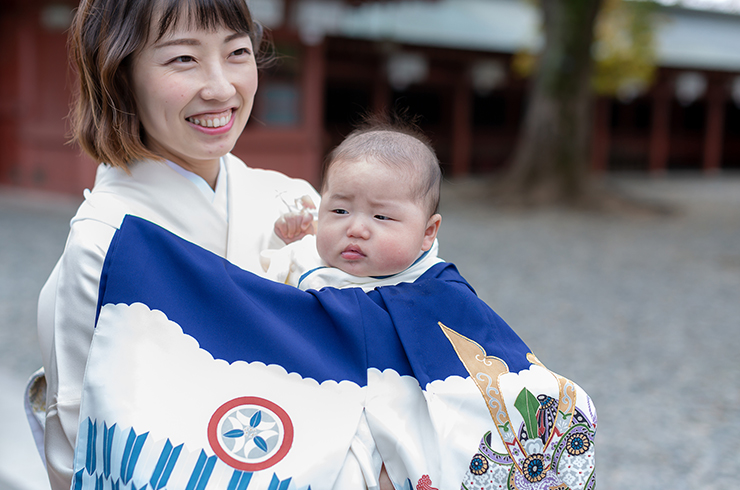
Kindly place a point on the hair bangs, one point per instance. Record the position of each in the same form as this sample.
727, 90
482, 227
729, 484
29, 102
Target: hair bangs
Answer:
208, 15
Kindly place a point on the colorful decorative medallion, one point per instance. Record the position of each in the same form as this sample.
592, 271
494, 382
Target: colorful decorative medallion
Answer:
479, 464
250, 433
578, 443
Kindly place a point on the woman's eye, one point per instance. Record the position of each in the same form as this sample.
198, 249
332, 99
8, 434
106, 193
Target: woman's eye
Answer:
183, 59
242, 52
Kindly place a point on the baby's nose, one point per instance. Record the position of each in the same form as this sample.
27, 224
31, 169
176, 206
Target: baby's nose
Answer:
358, 229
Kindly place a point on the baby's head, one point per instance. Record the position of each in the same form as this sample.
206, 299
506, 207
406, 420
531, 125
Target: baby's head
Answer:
379, 200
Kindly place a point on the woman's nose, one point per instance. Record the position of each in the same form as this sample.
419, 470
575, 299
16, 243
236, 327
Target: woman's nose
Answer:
217, 84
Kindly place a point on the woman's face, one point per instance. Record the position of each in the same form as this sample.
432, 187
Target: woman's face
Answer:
194, 91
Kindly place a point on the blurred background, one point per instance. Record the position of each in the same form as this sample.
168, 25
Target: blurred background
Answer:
666, 89
638, 303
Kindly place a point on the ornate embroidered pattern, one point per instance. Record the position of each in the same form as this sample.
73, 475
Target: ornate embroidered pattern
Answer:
552, 448
567, 471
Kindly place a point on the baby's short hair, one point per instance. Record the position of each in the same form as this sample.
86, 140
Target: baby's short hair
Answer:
395, 142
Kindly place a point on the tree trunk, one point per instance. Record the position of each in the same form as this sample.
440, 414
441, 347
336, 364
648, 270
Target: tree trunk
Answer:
551, 160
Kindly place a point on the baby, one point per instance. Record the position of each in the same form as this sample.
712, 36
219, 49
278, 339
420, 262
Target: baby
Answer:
377, 226
377, 221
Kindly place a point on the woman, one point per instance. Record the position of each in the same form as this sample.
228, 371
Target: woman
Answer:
165, 89
341, 383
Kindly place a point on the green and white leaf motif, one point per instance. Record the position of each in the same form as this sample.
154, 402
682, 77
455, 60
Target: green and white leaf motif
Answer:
527, 405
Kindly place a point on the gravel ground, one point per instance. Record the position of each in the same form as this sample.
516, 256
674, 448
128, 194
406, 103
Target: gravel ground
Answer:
33, 228
641, 311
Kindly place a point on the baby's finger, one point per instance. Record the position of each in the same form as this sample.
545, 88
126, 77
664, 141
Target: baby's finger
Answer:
307, 202
288, 225
307, 223
281, 228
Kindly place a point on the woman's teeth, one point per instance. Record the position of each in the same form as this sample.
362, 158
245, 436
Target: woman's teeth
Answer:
211, 122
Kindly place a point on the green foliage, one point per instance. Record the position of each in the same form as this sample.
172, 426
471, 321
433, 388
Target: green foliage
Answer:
623, 48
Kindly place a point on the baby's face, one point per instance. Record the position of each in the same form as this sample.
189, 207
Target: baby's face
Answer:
370, 224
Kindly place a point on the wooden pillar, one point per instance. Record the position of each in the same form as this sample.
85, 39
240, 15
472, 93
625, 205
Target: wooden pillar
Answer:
461, 127
714, 127
381, 92
660, 132
314, 82
10, 86
288, 7
28, 97
601, 136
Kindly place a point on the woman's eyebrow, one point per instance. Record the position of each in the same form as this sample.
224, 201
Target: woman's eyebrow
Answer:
236, 35
178, 42
195, 42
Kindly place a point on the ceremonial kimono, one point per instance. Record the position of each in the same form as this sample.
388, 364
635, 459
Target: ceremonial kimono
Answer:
237, 225
205, 376
299, 265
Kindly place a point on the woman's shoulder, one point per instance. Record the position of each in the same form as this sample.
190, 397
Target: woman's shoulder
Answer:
100, 207
265, 176
148, 189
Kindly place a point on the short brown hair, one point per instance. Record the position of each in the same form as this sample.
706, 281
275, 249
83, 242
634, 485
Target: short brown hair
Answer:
393, 140
104, 37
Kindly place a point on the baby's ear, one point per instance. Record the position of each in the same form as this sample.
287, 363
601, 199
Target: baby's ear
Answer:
430, 233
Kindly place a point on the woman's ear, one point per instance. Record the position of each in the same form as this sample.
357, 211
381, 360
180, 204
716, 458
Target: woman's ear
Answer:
430, 233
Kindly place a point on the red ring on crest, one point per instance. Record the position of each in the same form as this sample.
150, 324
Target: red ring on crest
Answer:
250, 400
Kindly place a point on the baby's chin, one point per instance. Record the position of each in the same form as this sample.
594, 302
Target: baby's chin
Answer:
366, 272
358, 269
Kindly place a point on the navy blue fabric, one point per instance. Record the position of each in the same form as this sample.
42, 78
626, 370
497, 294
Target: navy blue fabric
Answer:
329, 334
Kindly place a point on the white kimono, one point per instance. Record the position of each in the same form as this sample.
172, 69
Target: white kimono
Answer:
254, 199
204, 376
199, 375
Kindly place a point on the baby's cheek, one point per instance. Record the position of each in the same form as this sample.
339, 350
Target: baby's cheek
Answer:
321, 246
395, 258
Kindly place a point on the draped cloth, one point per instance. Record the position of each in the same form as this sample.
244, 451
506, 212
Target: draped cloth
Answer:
204, 376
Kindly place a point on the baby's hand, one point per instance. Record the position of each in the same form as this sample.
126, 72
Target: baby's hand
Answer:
294, 225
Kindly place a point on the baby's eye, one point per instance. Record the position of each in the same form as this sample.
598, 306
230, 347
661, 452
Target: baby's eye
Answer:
381, 217
339, 211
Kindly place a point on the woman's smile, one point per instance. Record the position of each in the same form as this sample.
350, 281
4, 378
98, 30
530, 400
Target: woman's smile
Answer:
222, 120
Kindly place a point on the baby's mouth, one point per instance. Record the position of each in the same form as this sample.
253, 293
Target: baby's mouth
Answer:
352, 252
212, 120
